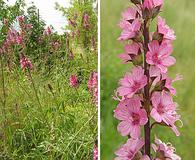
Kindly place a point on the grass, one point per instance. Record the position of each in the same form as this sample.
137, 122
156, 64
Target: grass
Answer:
64, 124
180, 16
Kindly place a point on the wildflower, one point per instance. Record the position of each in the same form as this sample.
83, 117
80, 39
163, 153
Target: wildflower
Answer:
165, 81
93, 86
129, 150
130, 30
86, 21
72, 23
132, 117
164, 151
129, 14
25, 63
151, 4
131, 50
93, 80
164, 110
159, 55
47, 31
95, 153
132, 83
21, 19
73, 80
165, 30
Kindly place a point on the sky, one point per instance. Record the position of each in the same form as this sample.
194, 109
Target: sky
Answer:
48, 12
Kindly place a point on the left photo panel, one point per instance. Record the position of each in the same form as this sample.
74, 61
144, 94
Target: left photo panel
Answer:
48, 80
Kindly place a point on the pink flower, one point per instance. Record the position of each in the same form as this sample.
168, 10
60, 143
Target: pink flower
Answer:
132, 83
165, 30
73, 80
129, 14
25, 63
131, 50
164, 151
132, 117
21, 19
130, 30
166, 81
159, 55
19, 39
86, 20
95, 153
93, 80
164, 110
47, 31
28, 26
129, 150
151, 4
93, 86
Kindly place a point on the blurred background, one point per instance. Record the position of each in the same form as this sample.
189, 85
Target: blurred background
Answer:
180, 16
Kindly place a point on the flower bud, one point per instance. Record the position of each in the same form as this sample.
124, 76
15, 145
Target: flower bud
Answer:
137, 60
136, 1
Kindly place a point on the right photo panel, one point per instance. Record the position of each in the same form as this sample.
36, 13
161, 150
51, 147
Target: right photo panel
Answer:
147, 80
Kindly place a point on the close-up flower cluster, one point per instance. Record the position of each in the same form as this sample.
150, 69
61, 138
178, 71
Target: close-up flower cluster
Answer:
146, 93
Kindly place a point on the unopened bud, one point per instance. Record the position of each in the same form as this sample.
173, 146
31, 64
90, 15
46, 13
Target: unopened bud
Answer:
136, 1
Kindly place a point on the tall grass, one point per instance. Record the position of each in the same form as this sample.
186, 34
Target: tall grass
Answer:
44, 117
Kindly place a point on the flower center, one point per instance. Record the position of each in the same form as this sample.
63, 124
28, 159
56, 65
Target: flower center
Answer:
160, 109
135, 86
156, 58
136, 118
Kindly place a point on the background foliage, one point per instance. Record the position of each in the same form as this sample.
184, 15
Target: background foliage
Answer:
75, 15
62, 124
180, 16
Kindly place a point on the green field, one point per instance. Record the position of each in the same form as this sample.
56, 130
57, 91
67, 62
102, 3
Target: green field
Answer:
180, 16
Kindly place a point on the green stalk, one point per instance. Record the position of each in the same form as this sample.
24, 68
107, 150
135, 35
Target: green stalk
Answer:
35, 90
4, 96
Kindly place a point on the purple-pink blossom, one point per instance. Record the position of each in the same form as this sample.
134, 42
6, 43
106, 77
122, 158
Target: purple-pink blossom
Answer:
132, 82
130, 30
164, 110
151, 4
165, 30
95, 152
129, 150
132, 117
86, 21
73, 81
129, 14
93, 86
47, 31
164, 79
164, 151
25, 63
131, 50
159, 55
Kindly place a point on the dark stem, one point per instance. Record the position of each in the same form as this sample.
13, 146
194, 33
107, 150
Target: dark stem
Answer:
146, 90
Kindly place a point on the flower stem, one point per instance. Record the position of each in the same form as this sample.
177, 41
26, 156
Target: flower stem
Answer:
34, 88
4, 96
146, 90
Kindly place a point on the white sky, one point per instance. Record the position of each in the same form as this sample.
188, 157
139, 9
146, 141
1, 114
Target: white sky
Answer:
48, 12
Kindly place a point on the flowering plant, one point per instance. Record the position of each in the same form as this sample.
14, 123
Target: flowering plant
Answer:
145, 94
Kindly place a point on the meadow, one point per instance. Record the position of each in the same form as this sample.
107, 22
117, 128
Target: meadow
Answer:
179, 15
47, 103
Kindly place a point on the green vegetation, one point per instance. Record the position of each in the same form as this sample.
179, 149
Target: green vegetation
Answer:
42, 117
